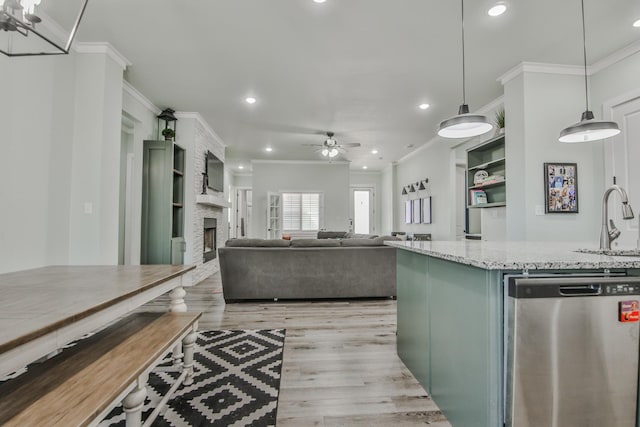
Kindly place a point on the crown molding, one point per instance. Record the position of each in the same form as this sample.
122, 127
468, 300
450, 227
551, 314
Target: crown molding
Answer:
198, 117
538, 67
242, 174
571, 70
363, 172
303, 162
138, 96
616, 56
104, 48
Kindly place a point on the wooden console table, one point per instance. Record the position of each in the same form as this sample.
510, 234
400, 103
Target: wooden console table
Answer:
43, 309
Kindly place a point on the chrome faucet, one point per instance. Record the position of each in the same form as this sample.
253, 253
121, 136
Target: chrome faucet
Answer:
609, 232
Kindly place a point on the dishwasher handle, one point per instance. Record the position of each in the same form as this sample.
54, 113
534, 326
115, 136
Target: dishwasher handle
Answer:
580, 290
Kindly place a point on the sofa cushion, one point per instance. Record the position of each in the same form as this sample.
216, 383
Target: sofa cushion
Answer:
360, 236
331, 234
312, 243
260, 243
361, 242
381, 239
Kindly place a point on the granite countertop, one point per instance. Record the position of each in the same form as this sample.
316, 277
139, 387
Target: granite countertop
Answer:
519, 255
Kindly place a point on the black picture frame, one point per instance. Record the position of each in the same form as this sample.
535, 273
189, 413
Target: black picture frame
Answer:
426, 210
561, 187
417, 211
408, 211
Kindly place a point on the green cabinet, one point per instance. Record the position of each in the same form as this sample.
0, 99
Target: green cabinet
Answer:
163, 170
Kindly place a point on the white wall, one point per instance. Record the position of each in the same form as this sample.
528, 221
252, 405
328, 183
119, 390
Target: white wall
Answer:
95, 165
332, 179
244, 180
46, 146
432, 162
539, 106
387, 196
37, 127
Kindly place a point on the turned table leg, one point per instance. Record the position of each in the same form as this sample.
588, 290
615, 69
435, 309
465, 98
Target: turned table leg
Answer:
188, 345
134, 402
177, 306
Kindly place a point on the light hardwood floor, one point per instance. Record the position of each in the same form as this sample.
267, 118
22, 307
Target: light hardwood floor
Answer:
340, 365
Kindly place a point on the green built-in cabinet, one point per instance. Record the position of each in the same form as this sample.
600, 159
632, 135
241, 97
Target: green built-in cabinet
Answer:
162, 203
489, 157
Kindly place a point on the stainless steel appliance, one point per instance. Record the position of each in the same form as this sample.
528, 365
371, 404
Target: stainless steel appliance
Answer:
572, 351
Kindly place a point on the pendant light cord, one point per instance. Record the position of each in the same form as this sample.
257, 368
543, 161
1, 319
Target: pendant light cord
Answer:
584, 50
464, 99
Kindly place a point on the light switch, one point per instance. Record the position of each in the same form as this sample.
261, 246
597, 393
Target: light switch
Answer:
88, 207
539, 210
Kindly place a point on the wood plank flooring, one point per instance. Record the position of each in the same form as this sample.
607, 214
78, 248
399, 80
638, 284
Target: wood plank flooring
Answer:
340, 365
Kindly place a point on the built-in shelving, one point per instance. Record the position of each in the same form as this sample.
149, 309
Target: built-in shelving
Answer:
488, 156
163, 203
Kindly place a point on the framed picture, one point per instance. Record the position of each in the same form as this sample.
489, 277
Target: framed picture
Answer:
417, 207
408, 211
426, 210
561, 187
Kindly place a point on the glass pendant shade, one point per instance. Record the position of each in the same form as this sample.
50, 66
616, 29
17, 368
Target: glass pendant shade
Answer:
28, 29
333, 152
325, 152
464, 125
588, 129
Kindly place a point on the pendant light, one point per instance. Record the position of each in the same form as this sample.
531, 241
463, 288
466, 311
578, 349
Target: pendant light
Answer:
587, 129
464, 125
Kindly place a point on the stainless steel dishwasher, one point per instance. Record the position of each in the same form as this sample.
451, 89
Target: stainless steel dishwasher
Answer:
572, 351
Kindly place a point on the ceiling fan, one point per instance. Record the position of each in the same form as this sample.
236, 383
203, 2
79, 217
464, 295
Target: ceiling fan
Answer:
330, 146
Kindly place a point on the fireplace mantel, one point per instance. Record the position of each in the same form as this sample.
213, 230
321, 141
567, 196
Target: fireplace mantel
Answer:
211, 200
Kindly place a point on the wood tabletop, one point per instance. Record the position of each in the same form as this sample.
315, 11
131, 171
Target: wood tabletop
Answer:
39, 301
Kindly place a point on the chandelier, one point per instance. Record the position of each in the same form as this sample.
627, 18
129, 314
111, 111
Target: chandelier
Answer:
26, 30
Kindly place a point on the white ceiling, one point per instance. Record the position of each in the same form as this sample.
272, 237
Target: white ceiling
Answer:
356, 67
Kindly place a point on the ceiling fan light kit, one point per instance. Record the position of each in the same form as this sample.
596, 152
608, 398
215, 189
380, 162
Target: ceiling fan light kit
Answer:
587, 129
464, 125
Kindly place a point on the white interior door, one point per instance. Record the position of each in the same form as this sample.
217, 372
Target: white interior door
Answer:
622, 153
362, 210
273, 216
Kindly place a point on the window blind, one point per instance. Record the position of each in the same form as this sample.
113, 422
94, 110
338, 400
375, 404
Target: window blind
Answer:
301, 211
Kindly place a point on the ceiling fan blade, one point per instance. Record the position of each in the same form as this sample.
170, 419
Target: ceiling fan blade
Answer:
313, 145
349, 144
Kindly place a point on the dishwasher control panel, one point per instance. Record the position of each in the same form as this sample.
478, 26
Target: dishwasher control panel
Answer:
621, 289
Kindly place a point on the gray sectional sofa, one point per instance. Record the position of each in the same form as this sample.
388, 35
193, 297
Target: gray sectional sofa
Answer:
254, 269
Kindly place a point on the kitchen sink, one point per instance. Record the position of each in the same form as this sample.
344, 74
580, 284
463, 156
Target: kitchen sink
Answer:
612, 252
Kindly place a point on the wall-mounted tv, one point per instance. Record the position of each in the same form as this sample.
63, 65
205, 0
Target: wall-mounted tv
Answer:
215, 172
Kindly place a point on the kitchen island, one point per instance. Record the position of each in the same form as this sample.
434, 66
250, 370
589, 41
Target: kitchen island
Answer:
451, 314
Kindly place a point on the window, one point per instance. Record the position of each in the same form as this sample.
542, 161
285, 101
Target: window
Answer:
301, 211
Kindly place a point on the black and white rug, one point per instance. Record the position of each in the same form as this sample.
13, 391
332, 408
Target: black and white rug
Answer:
236, 383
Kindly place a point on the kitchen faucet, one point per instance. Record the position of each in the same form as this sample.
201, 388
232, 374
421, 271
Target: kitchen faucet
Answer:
609, 232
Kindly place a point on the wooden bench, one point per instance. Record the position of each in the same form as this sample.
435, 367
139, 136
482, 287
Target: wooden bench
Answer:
83, 383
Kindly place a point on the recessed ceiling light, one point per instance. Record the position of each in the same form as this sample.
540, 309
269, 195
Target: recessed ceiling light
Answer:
319, 1
250, 100
374, 151
269, 149
497, 9
240, 167
637, 23
364, 167
423, 106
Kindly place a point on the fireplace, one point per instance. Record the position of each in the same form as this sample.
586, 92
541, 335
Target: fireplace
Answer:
209, 239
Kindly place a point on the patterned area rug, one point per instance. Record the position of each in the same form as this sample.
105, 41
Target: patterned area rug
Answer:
236, 383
